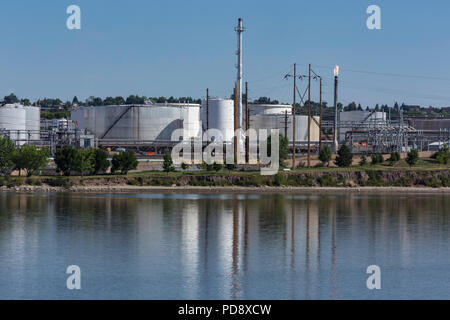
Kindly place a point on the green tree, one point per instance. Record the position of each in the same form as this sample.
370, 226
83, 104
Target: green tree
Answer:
65, 159
395, 157
412, 157
30, 159
124, 161
344, 157
168, 163
443, 155
325, 155
12, 98
7, 150
101, 162
85, 160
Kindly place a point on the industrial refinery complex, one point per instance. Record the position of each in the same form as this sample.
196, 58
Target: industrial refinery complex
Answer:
151, 126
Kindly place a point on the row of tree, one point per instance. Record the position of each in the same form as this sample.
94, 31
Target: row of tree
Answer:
93, 161
27, 158
30, 159
344, 157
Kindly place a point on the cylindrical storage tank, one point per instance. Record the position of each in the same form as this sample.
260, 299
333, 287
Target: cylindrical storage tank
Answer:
255, 109
351, 119
144, 122
302, 129
278, 121
221, 117
13, 122
360, 116
33, 122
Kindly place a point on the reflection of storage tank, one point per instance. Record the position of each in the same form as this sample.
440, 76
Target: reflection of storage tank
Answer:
144, 122
13, 121
33, 122
221, 117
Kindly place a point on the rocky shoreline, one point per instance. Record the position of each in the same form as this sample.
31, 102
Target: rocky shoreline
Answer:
220, 189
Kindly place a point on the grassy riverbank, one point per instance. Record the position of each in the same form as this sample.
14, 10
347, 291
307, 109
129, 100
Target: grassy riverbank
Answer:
425, 174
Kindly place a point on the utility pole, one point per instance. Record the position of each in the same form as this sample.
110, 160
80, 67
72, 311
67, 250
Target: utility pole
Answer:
336, 137
309, 117
247, 126
207, 109
236, 124
320, 116
285, 124
294, 129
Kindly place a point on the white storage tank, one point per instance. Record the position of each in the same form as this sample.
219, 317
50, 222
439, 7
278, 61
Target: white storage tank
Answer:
255, 109
221, 117
360, 116
33, 122
141, 122
274, 121
13, 122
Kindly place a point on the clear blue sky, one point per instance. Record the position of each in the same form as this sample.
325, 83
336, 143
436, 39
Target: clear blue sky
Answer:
179, 47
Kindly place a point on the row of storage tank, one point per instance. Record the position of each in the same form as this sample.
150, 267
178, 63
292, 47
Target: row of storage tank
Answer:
156, 122
20, 123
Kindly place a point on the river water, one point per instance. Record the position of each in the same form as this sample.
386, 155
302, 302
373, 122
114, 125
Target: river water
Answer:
224, 246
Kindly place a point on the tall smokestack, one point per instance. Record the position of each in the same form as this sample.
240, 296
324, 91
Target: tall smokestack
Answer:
239, 30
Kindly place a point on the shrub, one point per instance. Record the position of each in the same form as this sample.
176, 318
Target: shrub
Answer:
377, 158
168, 163
279, 179
443, 155
124, 161
325, 155
217, 166
395, 157
184, 166
344, 157
230, 166
33, 182
60, 182
327, 181
412, 157
363, 161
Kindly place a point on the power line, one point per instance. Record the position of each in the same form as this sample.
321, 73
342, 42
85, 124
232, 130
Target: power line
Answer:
390, 74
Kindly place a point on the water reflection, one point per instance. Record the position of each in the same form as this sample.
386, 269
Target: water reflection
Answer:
224, 246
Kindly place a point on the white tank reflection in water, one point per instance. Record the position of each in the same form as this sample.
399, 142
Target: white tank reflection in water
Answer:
154, 122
